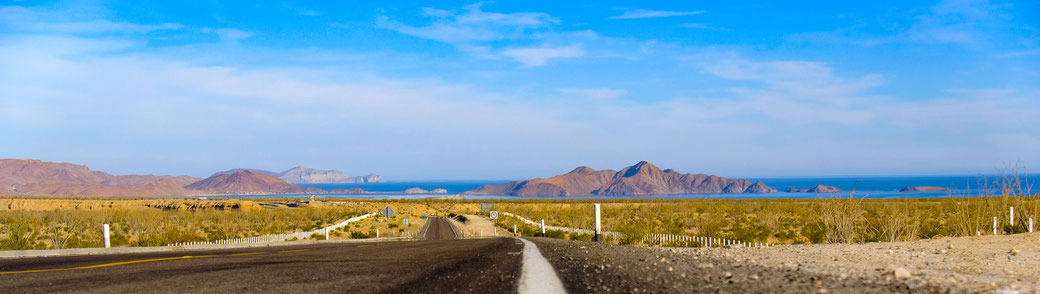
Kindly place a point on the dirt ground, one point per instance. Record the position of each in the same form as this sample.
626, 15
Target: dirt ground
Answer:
980, 264
476, 226
977, 263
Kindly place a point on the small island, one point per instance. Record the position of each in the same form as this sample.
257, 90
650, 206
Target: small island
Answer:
924, 189
817, 189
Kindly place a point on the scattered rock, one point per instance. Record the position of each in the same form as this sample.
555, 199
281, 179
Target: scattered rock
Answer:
901, 273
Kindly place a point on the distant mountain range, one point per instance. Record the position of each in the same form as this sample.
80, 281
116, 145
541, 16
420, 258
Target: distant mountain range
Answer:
32, 177
35, 177
303, 175
642, 178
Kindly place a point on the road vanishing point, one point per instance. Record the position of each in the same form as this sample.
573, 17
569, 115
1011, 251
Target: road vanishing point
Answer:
440, 263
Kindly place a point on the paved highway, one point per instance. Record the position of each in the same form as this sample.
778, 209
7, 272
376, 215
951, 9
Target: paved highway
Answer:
440, 265
439, 229
432, 266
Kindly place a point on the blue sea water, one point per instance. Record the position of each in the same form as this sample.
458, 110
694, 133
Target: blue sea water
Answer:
865, 187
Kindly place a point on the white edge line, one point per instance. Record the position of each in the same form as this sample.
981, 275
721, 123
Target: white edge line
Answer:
536, 274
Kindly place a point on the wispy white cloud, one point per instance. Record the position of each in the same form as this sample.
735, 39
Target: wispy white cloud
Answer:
595, 93
301, 10
963, 22
480, 33
808, 92
472, 25
231, 34
43, 21
642, 13
1023, 53
531, 57
953, 21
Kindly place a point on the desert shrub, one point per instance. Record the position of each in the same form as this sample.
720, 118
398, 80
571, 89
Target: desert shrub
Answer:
580, 237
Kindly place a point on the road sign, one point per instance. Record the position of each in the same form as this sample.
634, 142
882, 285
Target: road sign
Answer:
494, 214
406, 221
486, 206
388, 212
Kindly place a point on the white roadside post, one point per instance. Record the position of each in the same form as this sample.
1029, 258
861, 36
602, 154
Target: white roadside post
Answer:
377, 233
1012, 219
994, 225
326, 234
543, 227
514, 230
104, 229
598, 232
1030, 225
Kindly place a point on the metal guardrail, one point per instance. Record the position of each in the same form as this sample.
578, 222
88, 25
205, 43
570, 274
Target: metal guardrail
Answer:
278, 237
653, 238
565, 229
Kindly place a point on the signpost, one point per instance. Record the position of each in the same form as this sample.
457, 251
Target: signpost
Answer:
494, 214
486, 206
598, 236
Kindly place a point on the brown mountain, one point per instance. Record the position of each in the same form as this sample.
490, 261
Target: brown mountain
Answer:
580, 181
41, 178
246, 182
642, 178
818, 189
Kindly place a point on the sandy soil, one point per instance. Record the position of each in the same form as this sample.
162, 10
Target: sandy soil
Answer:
980, 264
977, 263
477, 226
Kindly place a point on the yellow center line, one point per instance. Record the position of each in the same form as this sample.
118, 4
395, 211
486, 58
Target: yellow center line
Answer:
103, 265
247, 253
366, 245
288, 251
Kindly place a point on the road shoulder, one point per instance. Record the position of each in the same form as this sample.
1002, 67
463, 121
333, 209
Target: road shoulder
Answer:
586, 267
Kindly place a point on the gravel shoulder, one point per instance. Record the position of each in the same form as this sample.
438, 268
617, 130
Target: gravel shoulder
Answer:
971, 264
950, 265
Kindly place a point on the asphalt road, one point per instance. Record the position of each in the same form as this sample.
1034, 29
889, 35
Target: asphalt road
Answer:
439, 229
440, 265
432, 266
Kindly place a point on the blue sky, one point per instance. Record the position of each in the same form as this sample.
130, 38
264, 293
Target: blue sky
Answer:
509, 90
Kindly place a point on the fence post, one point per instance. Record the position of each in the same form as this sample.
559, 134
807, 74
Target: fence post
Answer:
514, 230
104, 229
994, 225
377, 233
326, 234
543, 227
1030, 225
598, 231
1012, 219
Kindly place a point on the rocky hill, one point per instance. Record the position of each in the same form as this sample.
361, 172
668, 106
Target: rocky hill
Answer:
252, 170
642, 178
247, 182
304, 175
41, 178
